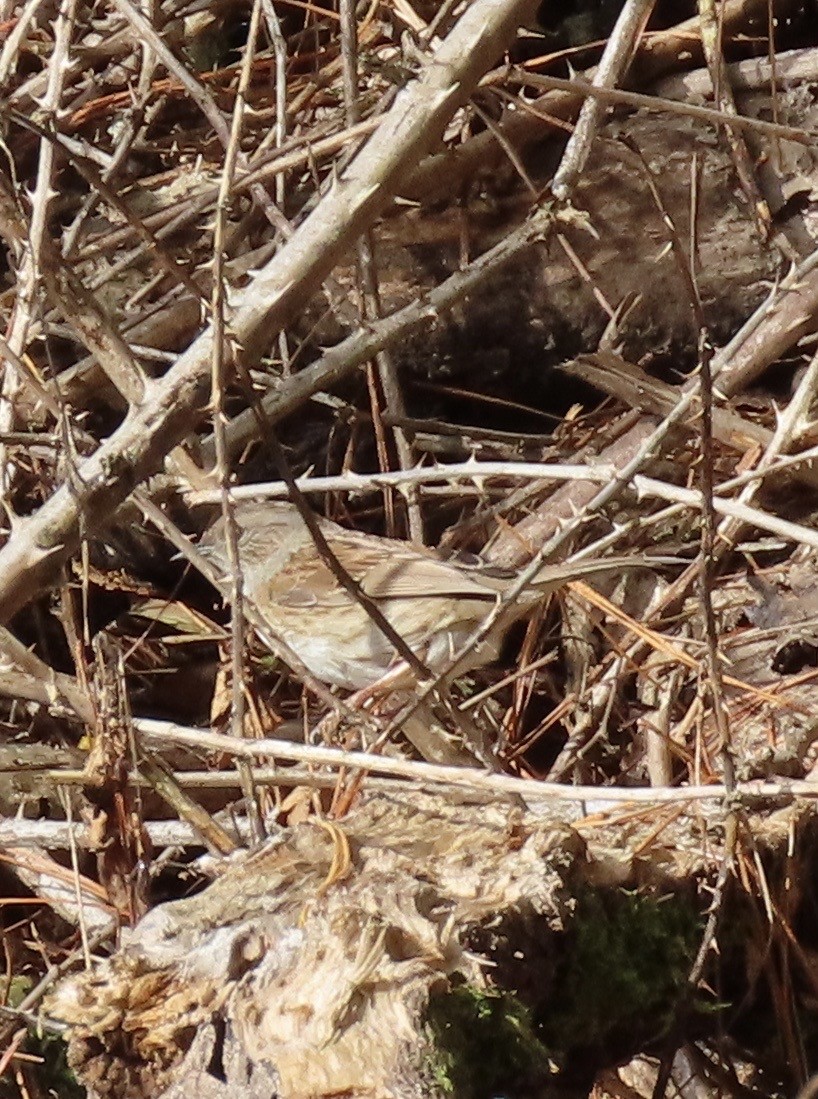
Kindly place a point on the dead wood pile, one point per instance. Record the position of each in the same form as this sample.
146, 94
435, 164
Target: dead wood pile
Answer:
248, 241
314, 959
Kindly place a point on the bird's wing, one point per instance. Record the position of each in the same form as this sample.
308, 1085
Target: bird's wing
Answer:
412, 575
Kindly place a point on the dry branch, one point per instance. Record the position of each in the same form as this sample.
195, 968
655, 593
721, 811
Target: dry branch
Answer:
172, 406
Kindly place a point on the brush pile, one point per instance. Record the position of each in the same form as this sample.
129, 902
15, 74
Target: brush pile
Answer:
432, 272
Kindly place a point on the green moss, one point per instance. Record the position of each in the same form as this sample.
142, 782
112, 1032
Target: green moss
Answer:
52, 1073
624, 968
484, 1044
611, 983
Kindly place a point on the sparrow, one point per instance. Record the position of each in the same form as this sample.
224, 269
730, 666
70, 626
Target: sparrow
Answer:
435, 604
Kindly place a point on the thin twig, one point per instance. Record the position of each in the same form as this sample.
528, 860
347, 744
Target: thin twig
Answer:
162, 733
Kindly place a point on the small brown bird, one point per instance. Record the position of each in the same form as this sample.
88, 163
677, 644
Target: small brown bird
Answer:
434, 604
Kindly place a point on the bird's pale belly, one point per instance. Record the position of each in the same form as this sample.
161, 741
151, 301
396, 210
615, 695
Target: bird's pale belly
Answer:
356, 653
